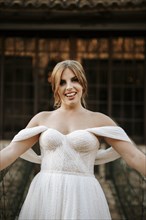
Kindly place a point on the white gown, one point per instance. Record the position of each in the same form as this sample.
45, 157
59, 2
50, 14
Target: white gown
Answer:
65, 187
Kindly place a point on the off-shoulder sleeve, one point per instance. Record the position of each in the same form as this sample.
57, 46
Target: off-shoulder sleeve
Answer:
115, 132
25, 134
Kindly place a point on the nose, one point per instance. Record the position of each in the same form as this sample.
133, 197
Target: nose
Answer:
69, 86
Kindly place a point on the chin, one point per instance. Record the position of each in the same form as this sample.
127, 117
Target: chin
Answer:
72, 103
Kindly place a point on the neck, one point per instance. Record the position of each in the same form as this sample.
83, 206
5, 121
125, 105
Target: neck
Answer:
71, 108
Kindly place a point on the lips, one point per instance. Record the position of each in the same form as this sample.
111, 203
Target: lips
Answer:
71, 94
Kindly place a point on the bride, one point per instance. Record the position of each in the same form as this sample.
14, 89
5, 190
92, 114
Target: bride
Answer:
69, 137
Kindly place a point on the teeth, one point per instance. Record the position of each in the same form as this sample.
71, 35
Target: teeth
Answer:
70, 94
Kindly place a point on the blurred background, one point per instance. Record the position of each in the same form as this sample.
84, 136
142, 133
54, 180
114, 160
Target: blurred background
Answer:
109, 39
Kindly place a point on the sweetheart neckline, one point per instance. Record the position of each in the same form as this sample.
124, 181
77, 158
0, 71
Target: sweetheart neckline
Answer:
67, 133
47, 128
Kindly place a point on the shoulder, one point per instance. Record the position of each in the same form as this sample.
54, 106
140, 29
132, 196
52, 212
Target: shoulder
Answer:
39, 118
102, 119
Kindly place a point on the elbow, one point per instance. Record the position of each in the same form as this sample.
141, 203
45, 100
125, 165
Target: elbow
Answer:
138, 162
7, 157
131, 162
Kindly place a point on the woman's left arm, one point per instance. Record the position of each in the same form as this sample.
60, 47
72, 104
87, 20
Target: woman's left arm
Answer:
130, 153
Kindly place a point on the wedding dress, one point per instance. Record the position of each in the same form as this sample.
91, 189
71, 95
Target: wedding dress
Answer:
65, 187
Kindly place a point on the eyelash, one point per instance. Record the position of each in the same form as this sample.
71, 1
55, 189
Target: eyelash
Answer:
62, 82
75, 80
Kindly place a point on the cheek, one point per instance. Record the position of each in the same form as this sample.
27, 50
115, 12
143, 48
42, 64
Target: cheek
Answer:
80, 88
60, 91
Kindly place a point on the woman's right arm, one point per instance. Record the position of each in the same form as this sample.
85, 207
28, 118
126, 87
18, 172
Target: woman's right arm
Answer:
14, 150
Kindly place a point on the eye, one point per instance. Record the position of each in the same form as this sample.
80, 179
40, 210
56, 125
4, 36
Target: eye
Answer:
75, 79
62, 82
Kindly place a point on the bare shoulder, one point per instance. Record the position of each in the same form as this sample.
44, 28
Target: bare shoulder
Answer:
102, 119
39, 119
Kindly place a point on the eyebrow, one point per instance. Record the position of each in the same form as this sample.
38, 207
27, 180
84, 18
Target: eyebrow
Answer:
71, 78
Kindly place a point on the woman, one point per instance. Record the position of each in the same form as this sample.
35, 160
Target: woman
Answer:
65, 187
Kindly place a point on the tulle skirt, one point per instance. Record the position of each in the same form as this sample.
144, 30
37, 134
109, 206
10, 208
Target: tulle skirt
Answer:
56, 196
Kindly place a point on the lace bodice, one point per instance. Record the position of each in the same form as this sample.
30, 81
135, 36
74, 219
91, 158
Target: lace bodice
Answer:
76, 152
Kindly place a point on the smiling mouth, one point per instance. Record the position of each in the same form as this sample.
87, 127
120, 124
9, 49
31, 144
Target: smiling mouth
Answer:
71, 94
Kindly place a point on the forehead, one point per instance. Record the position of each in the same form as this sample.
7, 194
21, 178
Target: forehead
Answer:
67, 73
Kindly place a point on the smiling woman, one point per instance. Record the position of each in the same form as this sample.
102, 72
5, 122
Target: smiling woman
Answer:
77, 77
69, 137
70, 90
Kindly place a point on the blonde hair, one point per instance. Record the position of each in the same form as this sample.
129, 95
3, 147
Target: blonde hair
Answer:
79, 72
